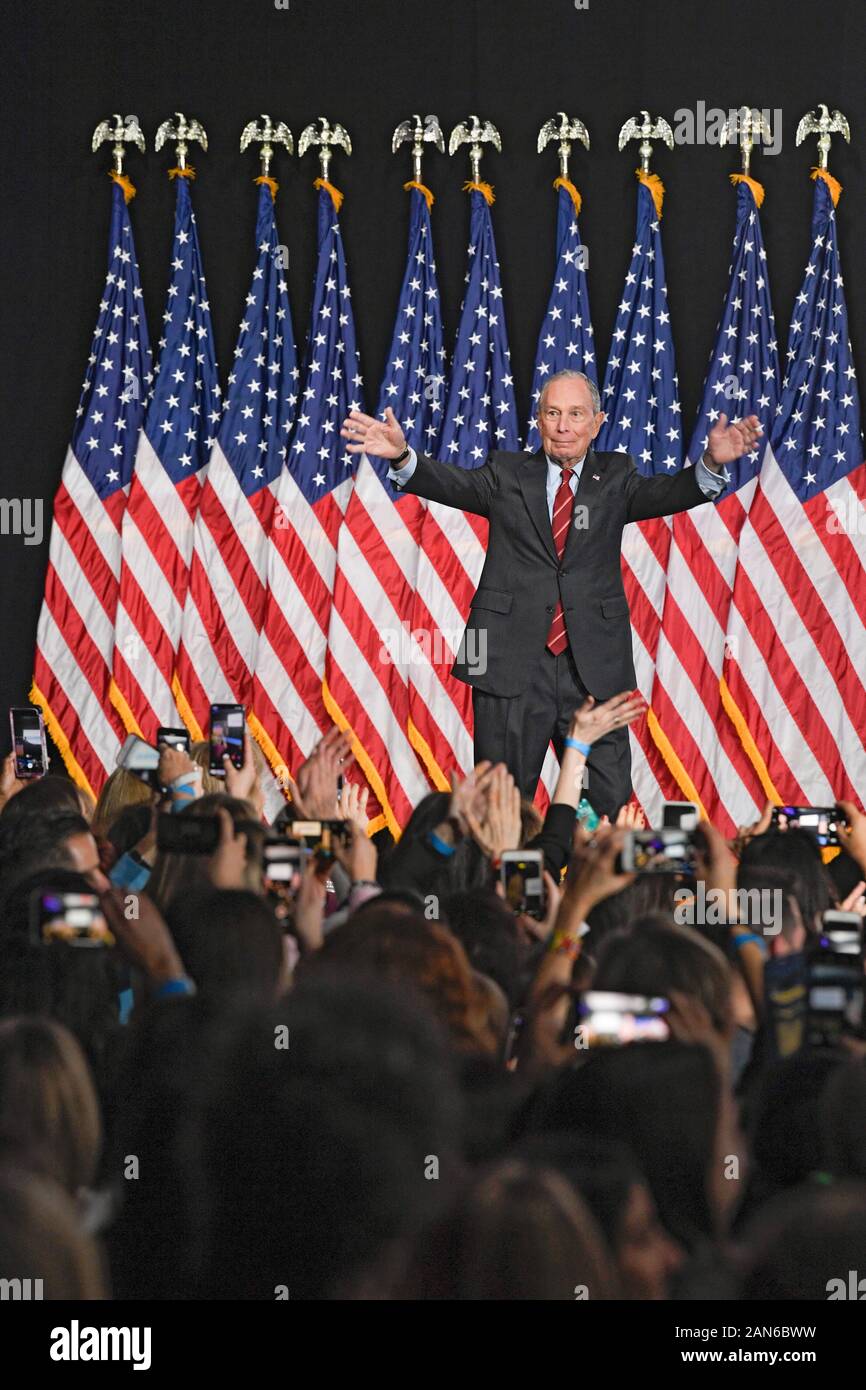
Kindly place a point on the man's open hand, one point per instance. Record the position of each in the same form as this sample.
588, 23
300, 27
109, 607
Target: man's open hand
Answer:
367, 435
725, 442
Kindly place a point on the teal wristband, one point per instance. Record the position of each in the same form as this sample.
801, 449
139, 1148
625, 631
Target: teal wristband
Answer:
439, 845
580, 747
742, 937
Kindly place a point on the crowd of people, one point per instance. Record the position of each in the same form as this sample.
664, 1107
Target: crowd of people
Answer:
261, 1061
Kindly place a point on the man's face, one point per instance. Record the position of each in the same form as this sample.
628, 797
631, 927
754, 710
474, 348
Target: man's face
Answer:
85, 856
567, 421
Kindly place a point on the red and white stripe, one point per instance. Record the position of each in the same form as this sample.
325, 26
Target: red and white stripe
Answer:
797, 636
75, 633
157, 540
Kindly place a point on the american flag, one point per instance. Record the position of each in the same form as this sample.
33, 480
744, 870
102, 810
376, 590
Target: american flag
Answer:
75, 635
225, 602
312, 494
370, 645
641, 400
480, 415
173, 449
796, 665
565, 340
713, 767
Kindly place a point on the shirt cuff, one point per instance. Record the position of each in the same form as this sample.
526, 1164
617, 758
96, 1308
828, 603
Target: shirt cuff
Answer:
710, 483
401, 476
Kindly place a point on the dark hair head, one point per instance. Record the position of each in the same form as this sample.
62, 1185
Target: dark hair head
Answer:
229, 941
520, 1231
332, 1113
77, 987
31, 843
655, 957
798, 854
43, 796
662, 1100
491, 938
465, 868
805, 1243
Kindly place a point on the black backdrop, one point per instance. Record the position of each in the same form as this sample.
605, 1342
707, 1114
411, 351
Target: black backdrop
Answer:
370, 63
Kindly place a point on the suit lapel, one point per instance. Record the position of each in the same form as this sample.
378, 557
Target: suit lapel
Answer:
533, 485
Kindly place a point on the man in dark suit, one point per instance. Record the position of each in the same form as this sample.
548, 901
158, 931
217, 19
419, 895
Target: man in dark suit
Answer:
549, 622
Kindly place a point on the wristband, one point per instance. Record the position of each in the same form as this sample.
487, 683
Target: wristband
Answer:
169, 988
401, 458
578, 746
744, 936
439, 845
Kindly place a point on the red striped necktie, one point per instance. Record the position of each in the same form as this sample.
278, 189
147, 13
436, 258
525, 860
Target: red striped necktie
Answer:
563, 508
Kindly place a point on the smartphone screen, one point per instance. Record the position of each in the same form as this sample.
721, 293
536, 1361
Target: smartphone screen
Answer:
175, 738
28, 742
614, 1020
823, 821
521, 876
74, 918
140, 758
226, 737
658, 852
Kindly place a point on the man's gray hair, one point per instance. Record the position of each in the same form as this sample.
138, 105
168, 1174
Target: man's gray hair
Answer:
568, 375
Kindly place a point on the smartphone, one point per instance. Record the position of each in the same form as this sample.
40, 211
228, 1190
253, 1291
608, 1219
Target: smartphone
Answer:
175, 738
613, 1020
842, 933
834, 998
187, 834
318, 834
28, 742
283, 863
74, 918
521, 874
226, 737
140, 758
823, 821
665, 851
680, 815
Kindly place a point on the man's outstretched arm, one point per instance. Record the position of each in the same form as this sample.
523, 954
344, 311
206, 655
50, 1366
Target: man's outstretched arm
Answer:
470, 489
661, 495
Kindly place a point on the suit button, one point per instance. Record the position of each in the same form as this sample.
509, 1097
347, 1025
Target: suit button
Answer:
549, 608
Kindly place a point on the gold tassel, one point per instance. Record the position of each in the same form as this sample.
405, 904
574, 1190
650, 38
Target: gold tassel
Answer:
336, 195
834, 185
186, 173
484, 188
123, 182
52, 723
269, 183
422, 188
655, 186
571, 190
757, 188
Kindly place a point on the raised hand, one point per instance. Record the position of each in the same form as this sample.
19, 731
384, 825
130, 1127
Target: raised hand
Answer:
591, 722
367, 435
726, 443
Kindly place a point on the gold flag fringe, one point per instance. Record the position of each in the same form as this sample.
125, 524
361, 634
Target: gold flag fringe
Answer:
655, 186
757, 188
269, 183
571, 190
123, 182
484, 188
186, 173
834, 185
422, 188
336, 195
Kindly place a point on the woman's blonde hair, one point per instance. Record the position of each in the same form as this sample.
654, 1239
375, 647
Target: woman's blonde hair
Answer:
121, 790
49, 1111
